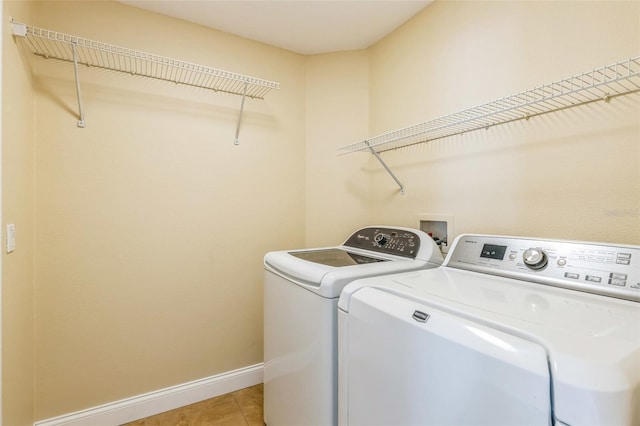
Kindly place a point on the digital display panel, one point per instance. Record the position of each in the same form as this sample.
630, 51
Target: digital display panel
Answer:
492, 251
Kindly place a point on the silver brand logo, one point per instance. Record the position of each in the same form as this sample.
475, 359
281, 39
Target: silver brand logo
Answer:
420, 316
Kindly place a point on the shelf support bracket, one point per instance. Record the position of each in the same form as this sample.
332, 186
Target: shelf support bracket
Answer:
381, 161
236, 141
18, 29
77, 75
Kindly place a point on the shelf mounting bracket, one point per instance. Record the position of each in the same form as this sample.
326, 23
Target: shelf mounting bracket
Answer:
236, 141
81, 122
381, 161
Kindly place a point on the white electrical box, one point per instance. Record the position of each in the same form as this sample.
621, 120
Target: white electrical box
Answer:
439, 227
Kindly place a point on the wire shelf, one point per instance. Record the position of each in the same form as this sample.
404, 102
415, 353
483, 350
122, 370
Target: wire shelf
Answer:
55, 45
604, 83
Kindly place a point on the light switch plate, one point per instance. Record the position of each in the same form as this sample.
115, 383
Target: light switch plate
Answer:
11, 237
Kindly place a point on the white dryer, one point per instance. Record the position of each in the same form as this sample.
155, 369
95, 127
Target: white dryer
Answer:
301, 291
509, 331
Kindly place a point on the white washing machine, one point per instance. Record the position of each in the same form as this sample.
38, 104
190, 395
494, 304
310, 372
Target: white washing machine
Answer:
509, 331
301, 291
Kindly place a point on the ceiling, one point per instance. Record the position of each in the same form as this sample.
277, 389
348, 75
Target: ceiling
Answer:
304, 26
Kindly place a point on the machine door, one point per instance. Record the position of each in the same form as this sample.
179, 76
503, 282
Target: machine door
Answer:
334, 257
406, 363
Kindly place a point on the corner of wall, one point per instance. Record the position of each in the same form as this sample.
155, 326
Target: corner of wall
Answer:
16, 182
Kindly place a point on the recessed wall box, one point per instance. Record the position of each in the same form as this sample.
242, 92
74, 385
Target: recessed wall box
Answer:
439, 227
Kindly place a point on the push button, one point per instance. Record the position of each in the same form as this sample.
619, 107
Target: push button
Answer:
593, 279
617, 276
620, 283
572, 275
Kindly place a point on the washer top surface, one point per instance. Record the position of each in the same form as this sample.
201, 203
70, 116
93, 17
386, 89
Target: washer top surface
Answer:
335, 257
590, 329
370, 251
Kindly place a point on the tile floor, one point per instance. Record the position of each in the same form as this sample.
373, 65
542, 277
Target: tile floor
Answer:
239, 408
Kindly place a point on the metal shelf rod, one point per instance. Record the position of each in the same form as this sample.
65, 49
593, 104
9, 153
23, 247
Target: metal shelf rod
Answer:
75, 72
381, 161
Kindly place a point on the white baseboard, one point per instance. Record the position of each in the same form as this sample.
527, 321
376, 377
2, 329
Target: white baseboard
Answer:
149, 404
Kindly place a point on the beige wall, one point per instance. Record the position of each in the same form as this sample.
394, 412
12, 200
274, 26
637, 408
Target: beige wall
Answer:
151, 224
17, 208
572, 174
337, 112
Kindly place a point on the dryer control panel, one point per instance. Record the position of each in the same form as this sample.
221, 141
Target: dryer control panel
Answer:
607, 269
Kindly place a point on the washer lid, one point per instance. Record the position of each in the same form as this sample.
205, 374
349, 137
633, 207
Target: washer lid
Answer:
327, 280
592, 341
427, 363
335, 257
368, 252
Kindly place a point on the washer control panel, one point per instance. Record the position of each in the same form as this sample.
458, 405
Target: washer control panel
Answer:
607, 269
396, 241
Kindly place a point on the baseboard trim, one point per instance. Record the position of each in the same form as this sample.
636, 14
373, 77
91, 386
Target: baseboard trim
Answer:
149, 404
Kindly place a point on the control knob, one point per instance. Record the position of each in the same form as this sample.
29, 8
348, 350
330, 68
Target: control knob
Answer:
381, 239
535, 258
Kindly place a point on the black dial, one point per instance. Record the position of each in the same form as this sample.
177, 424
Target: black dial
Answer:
381, 239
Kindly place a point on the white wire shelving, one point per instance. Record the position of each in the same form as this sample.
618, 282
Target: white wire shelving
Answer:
80, 51
605, 83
